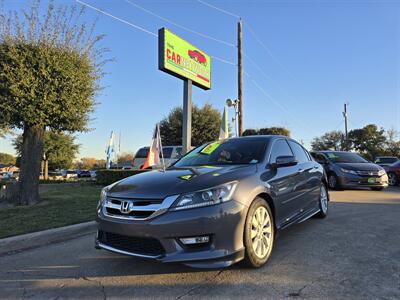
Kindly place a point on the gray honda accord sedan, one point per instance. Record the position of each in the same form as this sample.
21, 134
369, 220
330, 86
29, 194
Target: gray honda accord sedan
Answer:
221, 203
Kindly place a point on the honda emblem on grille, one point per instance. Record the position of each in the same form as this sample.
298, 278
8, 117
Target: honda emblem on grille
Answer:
125, 207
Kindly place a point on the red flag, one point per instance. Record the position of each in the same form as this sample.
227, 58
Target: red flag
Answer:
155, 151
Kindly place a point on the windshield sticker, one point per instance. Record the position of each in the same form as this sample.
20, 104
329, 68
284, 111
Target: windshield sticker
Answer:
210, 148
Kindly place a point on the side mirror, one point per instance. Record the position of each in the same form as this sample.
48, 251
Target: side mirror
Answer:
285, 161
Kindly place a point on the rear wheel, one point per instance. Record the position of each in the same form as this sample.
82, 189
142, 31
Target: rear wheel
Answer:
393, 180
323, 202
259, 234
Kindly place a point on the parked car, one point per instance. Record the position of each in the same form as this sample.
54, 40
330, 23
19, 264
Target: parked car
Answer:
55, 175
350, 170
393, 172
219, 204
385, 160
84, 174
171, 154
68, 174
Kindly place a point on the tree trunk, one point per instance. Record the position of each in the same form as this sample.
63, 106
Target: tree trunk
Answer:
46, 169
31, 156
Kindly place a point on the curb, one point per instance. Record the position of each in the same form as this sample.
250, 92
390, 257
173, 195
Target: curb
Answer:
45, 237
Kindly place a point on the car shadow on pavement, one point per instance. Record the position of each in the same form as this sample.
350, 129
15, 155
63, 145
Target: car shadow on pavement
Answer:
346, 251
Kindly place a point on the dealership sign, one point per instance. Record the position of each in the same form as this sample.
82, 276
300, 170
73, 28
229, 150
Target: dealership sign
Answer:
181, 59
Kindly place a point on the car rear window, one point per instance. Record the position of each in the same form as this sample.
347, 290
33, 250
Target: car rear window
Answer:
167, 152
142, 153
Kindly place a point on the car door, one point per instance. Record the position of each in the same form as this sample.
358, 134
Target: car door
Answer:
284, 184
309, 177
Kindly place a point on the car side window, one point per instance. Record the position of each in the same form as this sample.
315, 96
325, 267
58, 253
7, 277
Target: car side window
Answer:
319, 158
280, 148
299, 152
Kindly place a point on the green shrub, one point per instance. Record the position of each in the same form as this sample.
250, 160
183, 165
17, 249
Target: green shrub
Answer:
106, 177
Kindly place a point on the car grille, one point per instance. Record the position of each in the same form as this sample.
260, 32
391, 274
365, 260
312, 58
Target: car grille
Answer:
137, 209
368, 173
134, 245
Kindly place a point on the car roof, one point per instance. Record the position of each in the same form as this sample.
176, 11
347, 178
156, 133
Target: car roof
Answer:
259, 137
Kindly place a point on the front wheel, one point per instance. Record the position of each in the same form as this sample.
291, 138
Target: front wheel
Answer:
333, 182
323, 202
393, 180
259, 234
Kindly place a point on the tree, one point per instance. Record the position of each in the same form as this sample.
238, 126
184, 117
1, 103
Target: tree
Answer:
125, 156
369, 141
88, 163
268, 131
274, 131
332, 140
249, 132
49, 72
6, 158
205, 126
59, 149
392, 142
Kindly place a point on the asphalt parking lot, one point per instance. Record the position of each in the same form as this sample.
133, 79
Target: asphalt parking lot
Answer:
352, 254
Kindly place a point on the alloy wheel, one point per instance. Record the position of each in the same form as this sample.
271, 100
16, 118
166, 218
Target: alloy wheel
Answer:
324, 199
261, 232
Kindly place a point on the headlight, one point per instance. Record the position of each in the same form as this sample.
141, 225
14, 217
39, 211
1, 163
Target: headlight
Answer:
381, 172
348, 171
212, 196
103, 196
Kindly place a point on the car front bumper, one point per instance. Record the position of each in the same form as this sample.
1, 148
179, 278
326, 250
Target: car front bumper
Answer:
353, 181
223, 223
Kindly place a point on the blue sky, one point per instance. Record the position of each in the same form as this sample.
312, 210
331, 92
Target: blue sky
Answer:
313, 56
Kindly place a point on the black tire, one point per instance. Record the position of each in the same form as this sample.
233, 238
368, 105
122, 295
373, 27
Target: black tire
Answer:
323, 212
377, 188
251, 258
333, 182
393, 180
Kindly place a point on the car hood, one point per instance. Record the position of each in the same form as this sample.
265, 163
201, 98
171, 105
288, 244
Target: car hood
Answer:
360, 166
158, 184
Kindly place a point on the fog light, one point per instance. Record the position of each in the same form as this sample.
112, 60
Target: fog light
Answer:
195, 240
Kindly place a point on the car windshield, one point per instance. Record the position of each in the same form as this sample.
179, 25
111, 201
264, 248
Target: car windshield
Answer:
345, 157
228, 152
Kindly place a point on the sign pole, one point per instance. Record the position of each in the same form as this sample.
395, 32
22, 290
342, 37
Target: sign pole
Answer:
240, 78
187, 116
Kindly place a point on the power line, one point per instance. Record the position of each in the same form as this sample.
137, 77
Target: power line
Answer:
178, 25
219, 9
141, 28
267, 50
224, 60
283, 108
116, 18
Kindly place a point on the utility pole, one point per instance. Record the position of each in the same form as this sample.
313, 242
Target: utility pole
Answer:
240, 78
346, 134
